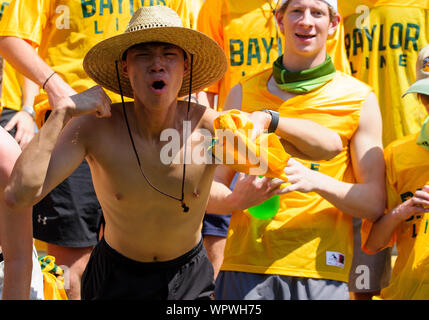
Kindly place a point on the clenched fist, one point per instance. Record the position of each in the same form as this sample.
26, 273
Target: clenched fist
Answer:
93, 100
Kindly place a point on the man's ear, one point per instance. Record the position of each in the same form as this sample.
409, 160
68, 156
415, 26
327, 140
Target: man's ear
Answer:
124, 68
333, 25
279, 17
186, 65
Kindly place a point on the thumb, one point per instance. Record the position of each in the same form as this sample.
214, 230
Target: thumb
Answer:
257, 130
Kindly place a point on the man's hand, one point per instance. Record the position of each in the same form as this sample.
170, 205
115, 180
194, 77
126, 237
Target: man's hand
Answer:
419, 203
251, 191
261, 122
62, 96
59, 93
24, 128
302, 179
93, 100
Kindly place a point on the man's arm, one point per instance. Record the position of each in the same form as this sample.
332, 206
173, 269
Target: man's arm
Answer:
301, 138
54, 153
383, 229
367, 197
16, 234
248, 191
24, 58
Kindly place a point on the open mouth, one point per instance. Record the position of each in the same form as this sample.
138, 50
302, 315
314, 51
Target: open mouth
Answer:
305, 36
158, 85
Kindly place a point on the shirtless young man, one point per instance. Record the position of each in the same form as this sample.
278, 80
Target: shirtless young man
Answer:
152, 241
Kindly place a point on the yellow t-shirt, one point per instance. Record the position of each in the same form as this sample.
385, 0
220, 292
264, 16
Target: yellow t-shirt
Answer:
11, 95
64, 31
407, 170
247, 32
383, 50
308, 237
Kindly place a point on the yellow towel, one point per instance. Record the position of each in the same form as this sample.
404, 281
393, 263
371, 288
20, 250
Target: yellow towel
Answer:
233, 147
53, 279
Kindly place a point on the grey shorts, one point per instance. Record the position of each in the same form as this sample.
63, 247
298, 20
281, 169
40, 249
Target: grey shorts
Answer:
232, 285
369, 272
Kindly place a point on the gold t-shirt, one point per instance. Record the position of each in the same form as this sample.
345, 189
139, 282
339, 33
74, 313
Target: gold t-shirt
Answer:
308, 237
382, 45
407, 170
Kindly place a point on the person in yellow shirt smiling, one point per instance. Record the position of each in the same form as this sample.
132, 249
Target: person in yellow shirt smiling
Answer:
249, 34
306, 250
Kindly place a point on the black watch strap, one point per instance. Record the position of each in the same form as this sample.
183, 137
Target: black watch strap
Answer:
274, 120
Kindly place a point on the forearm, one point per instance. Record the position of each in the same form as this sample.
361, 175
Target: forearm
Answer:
22, 56
221, 199
17, 280
17, 245
28, 176
382, 231
310, 140
29, 92
365, 201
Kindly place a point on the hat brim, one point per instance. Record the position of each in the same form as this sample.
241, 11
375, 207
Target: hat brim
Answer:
209, 60
420, 86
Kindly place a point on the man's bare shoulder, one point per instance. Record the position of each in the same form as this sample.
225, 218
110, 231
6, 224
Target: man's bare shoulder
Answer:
199, 115
92, 131
194, 108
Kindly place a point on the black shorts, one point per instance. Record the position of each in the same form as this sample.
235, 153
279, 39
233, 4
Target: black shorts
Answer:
216, 225
70, 215
110, 275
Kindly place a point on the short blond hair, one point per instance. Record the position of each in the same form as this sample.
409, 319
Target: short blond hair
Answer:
332, 12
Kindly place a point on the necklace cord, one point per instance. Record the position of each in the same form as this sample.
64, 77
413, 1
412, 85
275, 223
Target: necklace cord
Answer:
184, 206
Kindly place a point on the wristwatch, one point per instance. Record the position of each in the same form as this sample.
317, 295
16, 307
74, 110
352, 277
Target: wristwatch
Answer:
29, 110
274, 120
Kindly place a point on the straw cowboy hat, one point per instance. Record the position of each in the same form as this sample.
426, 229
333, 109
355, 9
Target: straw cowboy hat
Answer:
156, 24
